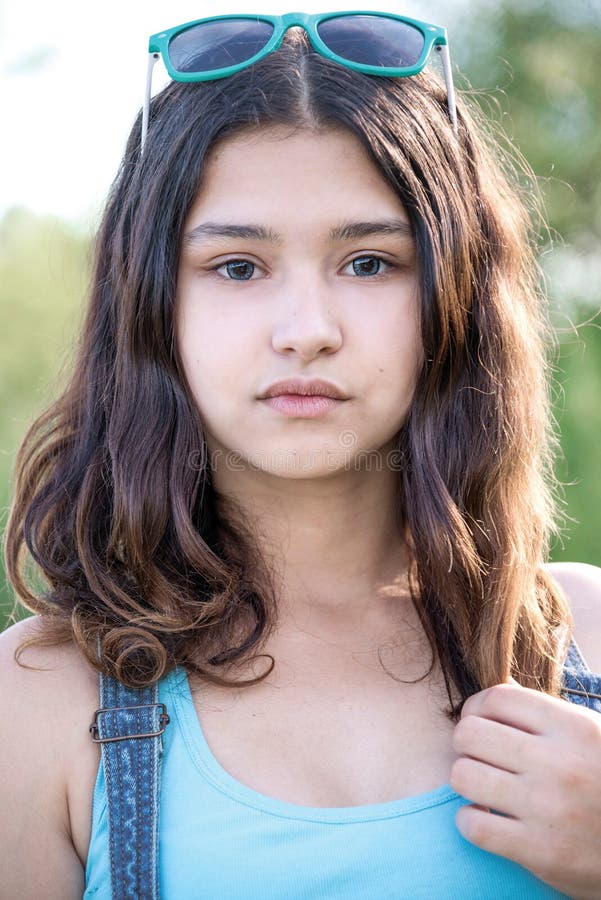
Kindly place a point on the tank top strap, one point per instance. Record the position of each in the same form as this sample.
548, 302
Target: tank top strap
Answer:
129, 725
580, 685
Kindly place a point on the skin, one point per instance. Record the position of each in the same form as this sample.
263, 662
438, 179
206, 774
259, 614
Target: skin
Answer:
305, 312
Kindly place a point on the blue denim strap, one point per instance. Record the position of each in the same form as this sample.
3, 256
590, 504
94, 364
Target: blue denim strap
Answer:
129, 725
580, 685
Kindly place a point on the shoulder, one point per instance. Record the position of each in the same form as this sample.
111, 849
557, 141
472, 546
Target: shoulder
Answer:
581, 583
41, 667
46, 705
45, 695
49, 688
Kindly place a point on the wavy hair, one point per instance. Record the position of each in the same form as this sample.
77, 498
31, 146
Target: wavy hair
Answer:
145, 565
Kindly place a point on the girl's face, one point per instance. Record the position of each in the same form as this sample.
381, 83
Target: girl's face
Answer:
319, 282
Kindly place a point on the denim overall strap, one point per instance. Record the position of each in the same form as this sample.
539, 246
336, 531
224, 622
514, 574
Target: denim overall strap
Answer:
129, 725
580, 685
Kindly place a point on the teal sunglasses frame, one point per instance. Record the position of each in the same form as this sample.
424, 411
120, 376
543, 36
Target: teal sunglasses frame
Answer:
435, 37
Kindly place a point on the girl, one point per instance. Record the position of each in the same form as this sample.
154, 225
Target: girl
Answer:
294, 505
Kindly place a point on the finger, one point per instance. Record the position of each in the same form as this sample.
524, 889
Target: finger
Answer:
496, 834
495, 743
516, 706
488, 786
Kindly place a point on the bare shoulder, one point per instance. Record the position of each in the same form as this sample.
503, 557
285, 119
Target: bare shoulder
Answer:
44, 715
45, 677
51, 657
581, 582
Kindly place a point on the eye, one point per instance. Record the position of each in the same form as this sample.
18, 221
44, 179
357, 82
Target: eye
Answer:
368, 266
237, 269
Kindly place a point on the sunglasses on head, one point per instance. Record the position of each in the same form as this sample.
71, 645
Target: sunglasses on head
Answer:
376, 43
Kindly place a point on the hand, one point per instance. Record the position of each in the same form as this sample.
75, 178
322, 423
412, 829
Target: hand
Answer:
537, 760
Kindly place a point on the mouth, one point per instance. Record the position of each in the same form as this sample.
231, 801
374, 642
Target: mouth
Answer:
302, 406
316, 387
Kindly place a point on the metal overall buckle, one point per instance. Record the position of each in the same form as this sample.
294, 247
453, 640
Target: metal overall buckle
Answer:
164, 719
587, 694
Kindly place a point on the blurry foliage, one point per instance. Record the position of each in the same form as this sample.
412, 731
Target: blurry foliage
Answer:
30, 63
539, 63
535, 67
44, 267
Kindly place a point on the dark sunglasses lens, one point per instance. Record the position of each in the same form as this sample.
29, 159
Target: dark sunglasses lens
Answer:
219, 44
373, 40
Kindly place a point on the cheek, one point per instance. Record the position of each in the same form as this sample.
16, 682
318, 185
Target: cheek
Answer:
395, 348
217, 356
211, 330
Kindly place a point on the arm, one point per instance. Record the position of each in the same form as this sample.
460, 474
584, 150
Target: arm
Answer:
38, 856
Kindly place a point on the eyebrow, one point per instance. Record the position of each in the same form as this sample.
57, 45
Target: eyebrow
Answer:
346, 231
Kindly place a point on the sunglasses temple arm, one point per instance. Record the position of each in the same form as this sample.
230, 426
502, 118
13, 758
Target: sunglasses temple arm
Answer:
448, 77
152, 58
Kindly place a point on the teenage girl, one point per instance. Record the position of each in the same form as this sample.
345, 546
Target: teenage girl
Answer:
300, 485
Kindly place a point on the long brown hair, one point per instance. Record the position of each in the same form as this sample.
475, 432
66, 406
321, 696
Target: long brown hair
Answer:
113, 496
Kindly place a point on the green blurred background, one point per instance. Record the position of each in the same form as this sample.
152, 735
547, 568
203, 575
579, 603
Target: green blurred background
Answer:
536, 69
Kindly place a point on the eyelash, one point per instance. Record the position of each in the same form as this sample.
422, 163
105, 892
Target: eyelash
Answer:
237, 259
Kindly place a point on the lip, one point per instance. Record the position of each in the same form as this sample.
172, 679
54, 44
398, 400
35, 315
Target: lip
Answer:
315, 387
300, 406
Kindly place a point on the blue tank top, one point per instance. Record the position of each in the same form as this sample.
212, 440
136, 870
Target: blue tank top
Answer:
222, 840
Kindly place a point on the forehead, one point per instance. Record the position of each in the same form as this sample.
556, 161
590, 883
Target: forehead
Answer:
277, 175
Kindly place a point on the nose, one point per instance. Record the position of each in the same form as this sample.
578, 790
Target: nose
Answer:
308, 323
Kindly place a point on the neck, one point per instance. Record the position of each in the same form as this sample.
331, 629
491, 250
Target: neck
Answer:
333, 544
